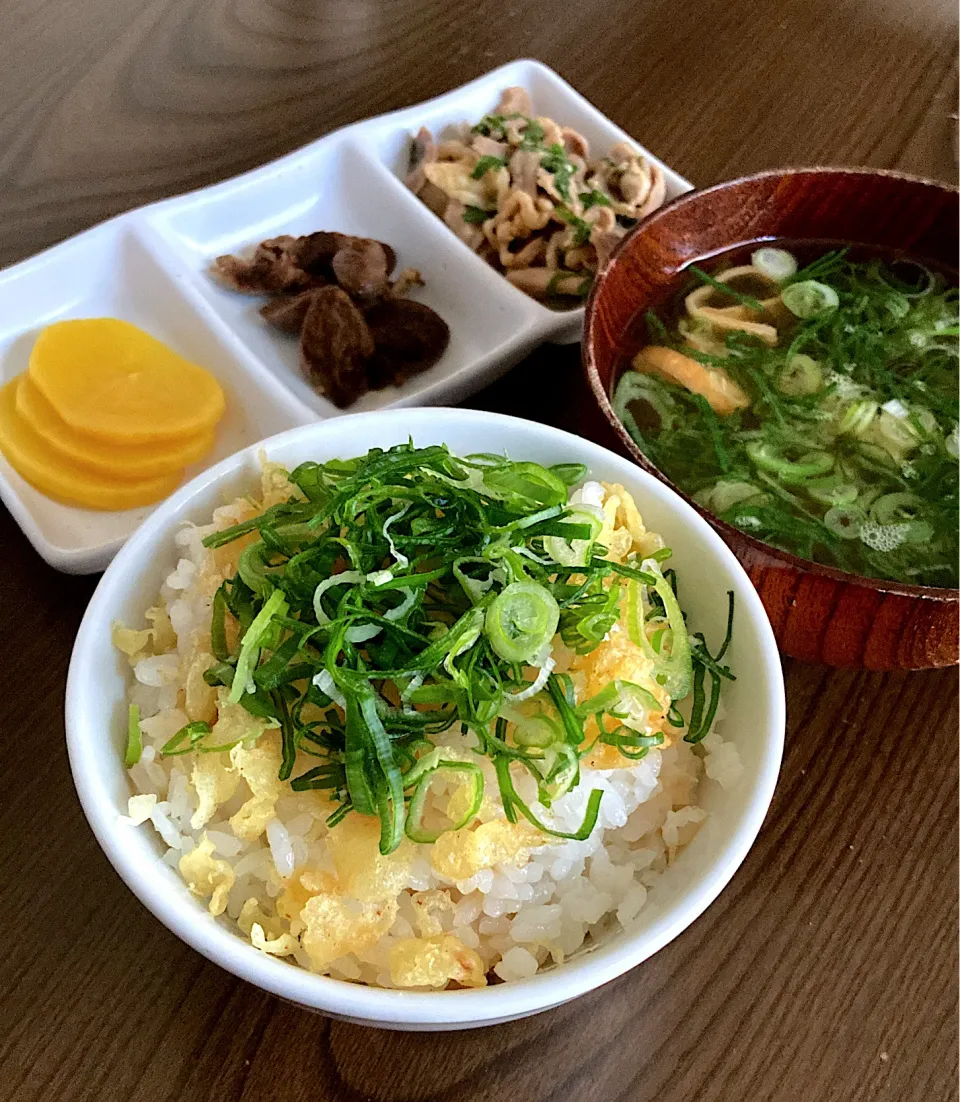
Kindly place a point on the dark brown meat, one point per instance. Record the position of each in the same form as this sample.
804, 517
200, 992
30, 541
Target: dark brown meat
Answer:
286, 264
315, 251
335, 345
273, 269
360, 267
288, 313
408, 336
322, 284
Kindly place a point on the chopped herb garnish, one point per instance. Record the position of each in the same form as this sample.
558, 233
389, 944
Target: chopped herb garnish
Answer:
134, 738
555, 160
704, 663
485, 165
533, 135
726, 289
490, 126
417, 591
186, 739
476, 216
594, 199
581, 227
846, 452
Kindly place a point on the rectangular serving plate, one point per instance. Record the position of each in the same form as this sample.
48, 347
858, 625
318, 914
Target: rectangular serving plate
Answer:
149, 266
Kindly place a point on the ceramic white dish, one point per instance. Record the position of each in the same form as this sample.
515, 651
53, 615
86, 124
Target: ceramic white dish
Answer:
96, 711
149, 266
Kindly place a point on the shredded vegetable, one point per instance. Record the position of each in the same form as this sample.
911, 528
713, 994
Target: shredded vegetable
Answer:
134, 738
405, 591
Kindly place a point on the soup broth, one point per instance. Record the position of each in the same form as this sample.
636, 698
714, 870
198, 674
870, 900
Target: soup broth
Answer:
807, 394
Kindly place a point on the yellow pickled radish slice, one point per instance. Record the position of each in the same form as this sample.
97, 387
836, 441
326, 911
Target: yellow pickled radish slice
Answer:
127, 461
29, 455
111, 380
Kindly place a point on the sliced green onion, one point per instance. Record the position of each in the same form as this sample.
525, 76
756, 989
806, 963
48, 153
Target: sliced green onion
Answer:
219, 748
185, 739
611, 699
832, 490
253, 570
917, 531
857, 418
561, 773
575, 552
474, 588
560, 689
844, 521
631, 745
347, 577
919, 289
809, 299
603, 701
725, 494
697, 732
776, 264
218, 625
538, 730
673, 670
511, 802
521, 621
569, 473
899, 434
800, 376
635, 387
355, 759
725, 289
461, 637
630, 691
527, 482
811, 465
320, 777
134, 738
413, 825
243, 681
895, 508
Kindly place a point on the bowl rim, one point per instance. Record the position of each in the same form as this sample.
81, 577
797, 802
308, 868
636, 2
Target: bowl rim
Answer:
938, 594
371, 1005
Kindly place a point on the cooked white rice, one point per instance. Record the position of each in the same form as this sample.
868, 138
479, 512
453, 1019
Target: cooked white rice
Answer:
404, 920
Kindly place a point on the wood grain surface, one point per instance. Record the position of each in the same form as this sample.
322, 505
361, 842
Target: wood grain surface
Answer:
827, 969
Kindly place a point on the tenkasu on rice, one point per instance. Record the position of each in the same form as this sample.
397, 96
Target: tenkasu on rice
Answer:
492, 899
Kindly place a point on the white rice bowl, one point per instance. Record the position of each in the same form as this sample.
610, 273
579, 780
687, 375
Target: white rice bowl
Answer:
539, 917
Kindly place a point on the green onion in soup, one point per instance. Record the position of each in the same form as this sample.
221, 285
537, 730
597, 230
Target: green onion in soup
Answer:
813, 407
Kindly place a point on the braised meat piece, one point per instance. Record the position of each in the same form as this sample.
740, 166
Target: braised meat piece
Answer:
360, 267
409, 337
288, 313
335, 343
274, 269
334, 291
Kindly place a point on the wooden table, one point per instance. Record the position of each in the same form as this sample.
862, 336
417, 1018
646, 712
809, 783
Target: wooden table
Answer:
827, 969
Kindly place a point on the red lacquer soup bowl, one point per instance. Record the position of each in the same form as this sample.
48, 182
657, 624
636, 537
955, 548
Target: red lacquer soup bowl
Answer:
818, 613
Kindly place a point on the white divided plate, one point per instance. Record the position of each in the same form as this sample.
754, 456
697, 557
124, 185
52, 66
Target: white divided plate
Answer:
149, 266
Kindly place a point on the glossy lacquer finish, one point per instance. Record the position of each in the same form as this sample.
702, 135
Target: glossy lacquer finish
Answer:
818, 613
